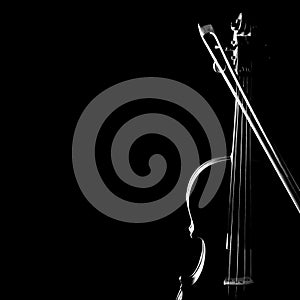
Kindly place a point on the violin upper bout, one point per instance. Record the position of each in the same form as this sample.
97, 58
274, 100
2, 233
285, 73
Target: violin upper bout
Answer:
217, 171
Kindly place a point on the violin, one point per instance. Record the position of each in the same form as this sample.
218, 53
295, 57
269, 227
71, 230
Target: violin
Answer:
229, 248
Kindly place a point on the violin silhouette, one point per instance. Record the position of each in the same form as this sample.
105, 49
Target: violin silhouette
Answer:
229, 248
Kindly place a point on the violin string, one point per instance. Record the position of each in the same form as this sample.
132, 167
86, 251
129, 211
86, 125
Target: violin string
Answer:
239, 152
239, 197
237, 131
245, 186
231, 173
236, 107
233, 179
250, 179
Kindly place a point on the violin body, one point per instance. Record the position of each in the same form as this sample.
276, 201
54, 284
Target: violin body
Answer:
210, 226
275, 258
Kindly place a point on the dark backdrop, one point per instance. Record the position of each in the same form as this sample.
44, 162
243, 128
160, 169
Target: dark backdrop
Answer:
89, 49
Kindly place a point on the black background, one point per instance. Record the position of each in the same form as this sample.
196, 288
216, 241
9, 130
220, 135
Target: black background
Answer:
86, 50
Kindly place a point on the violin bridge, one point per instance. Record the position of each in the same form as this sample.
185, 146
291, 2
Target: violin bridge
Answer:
238, 281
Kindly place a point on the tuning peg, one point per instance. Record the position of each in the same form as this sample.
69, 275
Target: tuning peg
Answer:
233, 43
228, 49
231, 47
